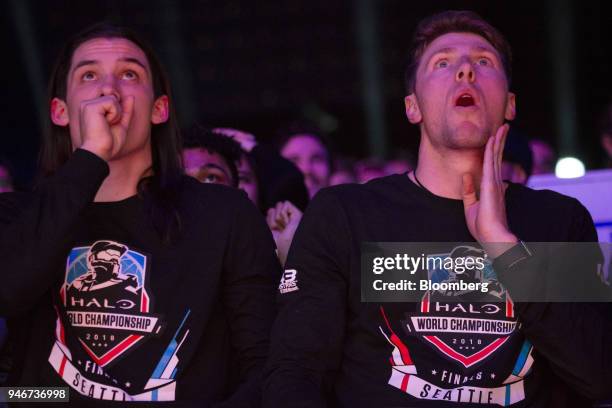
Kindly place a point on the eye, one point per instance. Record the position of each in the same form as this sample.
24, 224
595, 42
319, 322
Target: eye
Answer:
484, 61
443, 63
129, 75
211, 178
88, 76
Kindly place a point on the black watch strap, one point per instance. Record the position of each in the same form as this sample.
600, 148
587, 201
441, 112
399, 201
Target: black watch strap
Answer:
511, 257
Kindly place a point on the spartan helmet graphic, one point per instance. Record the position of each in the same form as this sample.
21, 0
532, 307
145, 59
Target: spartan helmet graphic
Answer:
465, 274
473, 275
104, 267
104, 260
460, 272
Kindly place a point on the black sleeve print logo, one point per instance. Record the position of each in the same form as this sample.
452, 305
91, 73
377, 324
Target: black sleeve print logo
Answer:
288, 281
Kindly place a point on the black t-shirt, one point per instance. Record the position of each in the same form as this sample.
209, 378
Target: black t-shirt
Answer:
436, 353
116, 314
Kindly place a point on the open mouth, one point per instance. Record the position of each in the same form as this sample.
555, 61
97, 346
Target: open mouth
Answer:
465, 100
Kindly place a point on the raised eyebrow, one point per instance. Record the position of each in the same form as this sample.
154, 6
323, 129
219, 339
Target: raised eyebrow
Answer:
134, 61
446, 50
83, 63
214, 166
450, 50
487, 50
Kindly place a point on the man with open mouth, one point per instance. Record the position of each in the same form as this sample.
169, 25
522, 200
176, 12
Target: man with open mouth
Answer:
331, 348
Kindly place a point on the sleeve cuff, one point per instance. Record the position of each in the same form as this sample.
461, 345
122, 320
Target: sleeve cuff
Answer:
512, 257
84, 170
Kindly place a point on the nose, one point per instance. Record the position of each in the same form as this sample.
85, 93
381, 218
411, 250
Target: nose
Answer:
466, 72
109, 87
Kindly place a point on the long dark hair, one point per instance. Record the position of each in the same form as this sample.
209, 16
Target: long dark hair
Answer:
160, 192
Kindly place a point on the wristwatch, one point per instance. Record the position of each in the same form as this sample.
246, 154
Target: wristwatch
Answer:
511, 257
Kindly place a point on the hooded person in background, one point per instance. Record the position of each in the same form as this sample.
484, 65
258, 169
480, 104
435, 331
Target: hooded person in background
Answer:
274, 184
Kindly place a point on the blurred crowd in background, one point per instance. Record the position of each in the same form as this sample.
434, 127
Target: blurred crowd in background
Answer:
227, 156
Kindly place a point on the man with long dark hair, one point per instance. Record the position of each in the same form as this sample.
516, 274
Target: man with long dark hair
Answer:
139, 283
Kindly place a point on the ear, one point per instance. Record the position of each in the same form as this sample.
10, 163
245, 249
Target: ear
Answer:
413, 112
59, 112
510, 113
161, 110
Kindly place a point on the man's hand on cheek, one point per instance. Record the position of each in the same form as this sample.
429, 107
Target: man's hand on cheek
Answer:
485, 214
104, 123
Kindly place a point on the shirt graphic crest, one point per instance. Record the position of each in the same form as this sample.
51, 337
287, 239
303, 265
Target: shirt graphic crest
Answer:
106, 300
465, 329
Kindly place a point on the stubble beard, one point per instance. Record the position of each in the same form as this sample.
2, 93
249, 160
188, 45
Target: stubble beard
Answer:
463, 136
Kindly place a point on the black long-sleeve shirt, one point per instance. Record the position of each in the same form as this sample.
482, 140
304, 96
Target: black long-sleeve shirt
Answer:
325, 340
117, 315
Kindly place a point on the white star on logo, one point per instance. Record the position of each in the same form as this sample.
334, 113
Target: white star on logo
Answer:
434, 372
492, 375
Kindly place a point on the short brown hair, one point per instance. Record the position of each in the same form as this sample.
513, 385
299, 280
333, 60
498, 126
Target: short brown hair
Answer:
454, 21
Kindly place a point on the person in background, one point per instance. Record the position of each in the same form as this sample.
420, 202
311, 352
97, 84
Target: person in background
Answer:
305, 146
283, 220
274, 184
210, 157
605, 135
344, 171
6, 181
247, 178
267, 177
398, 166
369, 169
517, 162
543, 157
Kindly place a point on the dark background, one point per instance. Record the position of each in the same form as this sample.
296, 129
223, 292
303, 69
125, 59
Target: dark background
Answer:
256, 65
